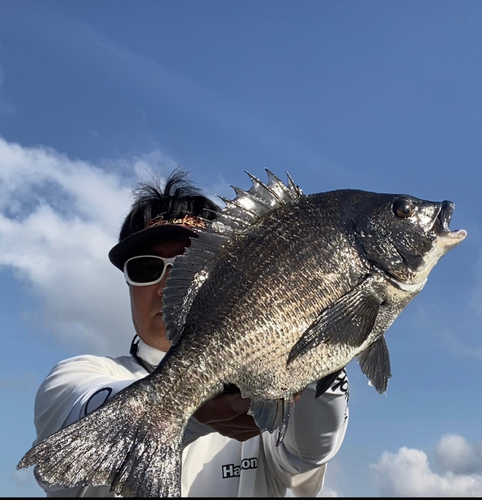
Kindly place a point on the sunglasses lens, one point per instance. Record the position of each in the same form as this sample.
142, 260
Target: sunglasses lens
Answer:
145, 269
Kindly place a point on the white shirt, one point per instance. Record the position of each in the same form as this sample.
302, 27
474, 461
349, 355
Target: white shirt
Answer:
213, 465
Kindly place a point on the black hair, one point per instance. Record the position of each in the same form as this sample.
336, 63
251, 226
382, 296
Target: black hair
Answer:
175, 199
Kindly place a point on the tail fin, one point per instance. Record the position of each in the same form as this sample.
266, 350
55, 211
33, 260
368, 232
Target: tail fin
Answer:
124, 444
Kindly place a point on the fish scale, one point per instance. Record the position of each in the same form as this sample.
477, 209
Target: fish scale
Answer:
281, 290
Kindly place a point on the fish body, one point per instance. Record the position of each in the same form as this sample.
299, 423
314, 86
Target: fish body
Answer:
282, 290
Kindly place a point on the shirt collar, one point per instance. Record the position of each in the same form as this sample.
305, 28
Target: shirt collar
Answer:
149, 354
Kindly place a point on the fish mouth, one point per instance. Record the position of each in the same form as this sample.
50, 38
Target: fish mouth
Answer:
442, 223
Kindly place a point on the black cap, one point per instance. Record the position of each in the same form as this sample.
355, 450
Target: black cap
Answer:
129, 247
162, 212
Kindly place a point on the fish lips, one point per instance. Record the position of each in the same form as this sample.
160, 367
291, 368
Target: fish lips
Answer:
442, 222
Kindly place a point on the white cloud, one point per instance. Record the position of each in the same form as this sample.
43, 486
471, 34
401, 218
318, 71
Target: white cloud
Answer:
58, 219
456, 454
408, 472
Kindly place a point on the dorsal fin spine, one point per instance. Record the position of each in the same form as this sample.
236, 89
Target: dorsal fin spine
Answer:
235, 204
257, 183
245, 198
295, 189
192, 268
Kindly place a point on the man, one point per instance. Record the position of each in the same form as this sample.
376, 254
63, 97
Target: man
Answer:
224, 452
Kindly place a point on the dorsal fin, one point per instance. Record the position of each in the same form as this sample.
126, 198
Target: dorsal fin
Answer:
192, 268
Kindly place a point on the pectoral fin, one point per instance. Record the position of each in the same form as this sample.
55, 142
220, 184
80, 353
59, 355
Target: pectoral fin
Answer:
348, 321
375, 364
271, 414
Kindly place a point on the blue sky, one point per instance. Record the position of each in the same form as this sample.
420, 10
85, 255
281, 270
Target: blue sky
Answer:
375, 95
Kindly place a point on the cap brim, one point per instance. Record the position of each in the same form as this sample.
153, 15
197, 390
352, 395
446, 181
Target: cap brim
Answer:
129, 247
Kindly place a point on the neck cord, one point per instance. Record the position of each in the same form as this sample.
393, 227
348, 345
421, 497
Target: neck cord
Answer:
133, 351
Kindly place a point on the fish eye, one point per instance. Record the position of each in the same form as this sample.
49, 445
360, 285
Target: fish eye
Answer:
403, 208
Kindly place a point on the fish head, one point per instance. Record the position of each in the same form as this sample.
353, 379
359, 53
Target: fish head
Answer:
405, 236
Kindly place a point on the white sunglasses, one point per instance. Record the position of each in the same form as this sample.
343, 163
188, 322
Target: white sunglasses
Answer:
145, 270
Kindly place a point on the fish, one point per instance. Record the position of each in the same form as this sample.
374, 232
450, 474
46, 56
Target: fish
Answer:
279, 291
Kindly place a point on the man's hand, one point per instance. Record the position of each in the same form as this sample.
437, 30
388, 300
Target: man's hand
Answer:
227, 415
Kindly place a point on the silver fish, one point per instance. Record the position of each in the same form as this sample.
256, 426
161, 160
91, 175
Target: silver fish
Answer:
281, 290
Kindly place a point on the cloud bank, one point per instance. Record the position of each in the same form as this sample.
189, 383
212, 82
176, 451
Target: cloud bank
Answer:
408, 472
457, 455
58, 219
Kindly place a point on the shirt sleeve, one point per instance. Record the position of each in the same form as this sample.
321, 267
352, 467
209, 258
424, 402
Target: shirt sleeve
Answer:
74, 388
77, 386
314, 435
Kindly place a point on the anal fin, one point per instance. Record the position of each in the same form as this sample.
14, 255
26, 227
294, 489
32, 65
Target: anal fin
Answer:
375, 364
271, 414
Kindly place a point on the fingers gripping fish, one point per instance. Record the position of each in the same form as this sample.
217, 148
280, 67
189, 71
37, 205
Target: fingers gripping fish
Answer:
281, 290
